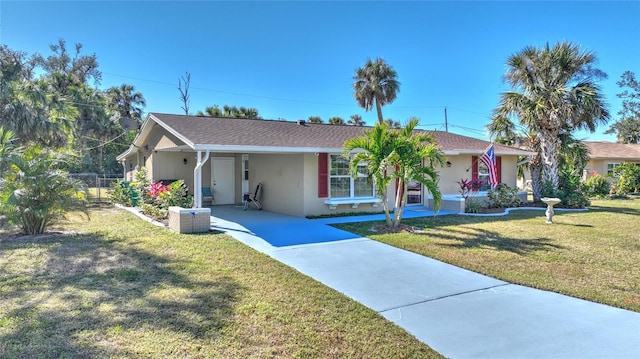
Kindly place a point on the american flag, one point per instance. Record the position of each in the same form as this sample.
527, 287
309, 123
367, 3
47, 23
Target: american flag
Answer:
489, 159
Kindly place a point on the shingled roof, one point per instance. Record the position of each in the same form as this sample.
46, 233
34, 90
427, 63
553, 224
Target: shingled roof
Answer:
603, 149
218, 134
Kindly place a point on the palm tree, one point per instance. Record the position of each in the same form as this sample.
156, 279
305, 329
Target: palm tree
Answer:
415, 159
7, 148
356, 120
379, 143
210, 111
392, 123
413, 155
34, 192
336, 121
229, 112
314, 119
505, 132
36, 113
126, 102
556, 87
375, 82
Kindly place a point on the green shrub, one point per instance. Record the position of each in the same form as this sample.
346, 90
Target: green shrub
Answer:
120, 193
34, 192
572, 198
629, 178
176, 195
503, 197
597, 186
141, 185
153, 211
472, 205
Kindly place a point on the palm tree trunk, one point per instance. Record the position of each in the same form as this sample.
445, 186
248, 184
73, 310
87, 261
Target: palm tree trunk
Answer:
379, 110
550, 145
535, 168
397, 211
385, 206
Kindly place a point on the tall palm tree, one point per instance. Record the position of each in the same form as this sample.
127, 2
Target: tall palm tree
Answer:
557, 88
125, 101
356, 120
375, 82
506, 133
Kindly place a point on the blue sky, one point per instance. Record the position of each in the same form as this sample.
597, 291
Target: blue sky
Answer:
293, 60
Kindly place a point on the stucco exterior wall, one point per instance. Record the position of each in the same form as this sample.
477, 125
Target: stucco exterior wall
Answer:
449, 176
282, 178
170, 166
509, 171
600, 165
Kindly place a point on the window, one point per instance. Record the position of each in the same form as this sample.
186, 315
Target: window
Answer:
610, 169
341, 184
245, 167
483, 175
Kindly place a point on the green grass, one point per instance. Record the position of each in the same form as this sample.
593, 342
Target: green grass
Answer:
594, 255
121, 287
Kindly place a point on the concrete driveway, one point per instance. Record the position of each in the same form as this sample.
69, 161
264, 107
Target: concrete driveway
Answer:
459, 313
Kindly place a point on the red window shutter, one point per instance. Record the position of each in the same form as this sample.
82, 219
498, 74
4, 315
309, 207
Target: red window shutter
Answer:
323, 175
499, 168
474, 167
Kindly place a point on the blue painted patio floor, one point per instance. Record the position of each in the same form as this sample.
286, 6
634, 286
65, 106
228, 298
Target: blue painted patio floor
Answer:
281, 230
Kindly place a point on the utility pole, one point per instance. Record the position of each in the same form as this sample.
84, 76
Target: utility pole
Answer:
446, 122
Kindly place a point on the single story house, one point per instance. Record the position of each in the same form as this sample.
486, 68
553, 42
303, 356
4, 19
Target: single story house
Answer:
604, 156
299, 164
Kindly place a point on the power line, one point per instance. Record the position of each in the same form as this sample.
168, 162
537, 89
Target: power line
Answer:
106, 143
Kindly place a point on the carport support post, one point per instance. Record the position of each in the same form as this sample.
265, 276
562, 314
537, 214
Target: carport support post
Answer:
197, 179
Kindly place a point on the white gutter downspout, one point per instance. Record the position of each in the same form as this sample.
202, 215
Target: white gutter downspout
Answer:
124, 169
197, 179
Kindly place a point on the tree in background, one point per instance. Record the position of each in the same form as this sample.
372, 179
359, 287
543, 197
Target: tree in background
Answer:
210, 111
63, 108
356, 120
336, 121
183, 87
556, 89
375, 83
314, 119
627, 128
230, 112
392, 123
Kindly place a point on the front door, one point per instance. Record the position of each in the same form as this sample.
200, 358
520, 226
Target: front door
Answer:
223, 179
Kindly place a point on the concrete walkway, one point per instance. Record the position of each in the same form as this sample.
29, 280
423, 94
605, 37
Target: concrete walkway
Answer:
459, 313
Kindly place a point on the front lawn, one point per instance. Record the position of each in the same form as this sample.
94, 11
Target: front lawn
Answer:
593, 255
121, 287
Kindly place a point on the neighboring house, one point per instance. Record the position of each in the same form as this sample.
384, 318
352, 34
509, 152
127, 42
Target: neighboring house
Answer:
604, 157
298, 163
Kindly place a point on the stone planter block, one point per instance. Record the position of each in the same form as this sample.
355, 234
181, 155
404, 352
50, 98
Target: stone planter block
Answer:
189, 220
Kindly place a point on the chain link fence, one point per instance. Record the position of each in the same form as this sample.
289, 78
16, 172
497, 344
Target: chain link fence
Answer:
98, 184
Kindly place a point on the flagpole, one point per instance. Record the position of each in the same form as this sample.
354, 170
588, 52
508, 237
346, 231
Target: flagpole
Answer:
478, 157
